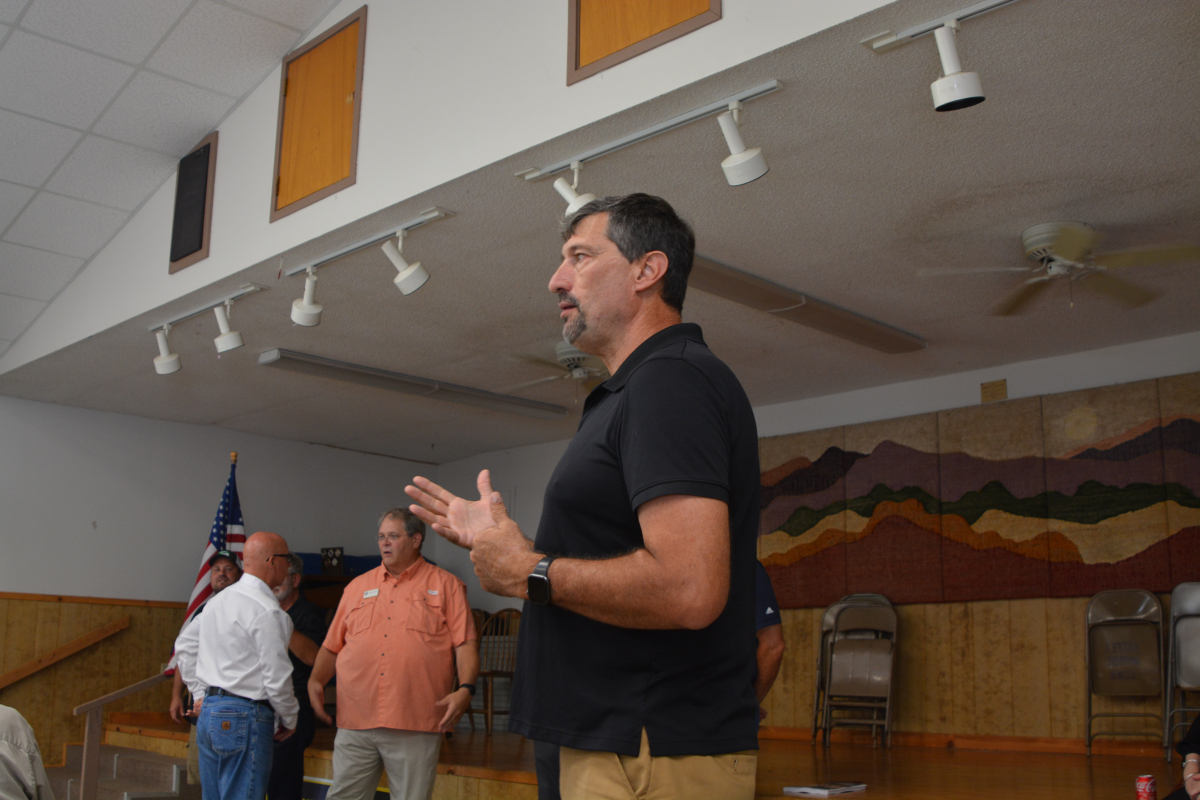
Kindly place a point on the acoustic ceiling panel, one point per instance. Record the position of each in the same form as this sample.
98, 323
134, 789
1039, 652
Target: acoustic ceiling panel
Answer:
57, 83
65, 225
35, 274
222, 49
298, 14
32, 148
163, 114
111, 173
16, 313
126, 30
12, 199
9, 9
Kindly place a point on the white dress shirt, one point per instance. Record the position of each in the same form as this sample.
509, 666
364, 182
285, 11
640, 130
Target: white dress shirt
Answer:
187, 647
243, 648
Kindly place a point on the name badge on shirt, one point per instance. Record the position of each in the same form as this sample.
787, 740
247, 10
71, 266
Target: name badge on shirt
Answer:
432, 591
370, 593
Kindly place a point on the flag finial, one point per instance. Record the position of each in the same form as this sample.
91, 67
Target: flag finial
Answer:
233, 457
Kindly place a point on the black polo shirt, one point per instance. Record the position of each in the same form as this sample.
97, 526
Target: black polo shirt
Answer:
673, 420
308, 619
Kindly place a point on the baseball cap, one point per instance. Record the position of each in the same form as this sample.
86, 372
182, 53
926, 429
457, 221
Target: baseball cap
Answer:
229, 554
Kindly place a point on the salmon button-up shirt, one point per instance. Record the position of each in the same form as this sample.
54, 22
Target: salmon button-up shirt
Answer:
395, 640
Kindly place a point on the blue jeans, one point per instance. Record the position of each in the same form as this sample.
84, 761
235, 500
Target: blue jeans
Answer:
235, 738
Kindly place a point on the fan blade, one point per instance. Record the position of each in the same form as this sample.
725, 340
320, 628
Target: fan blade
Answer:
1147, 255
542, 362
527, 384
1021, 297
1117, 289
1073, 243
926, 272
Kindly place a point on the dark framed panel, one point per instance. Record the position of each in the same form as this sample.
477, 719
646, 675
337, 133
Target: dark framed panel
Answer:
582, 41
320, 105
191, 227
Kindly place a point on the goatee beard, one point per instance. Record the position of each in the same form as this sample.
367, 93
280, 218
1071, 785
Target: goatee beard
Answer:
575, 328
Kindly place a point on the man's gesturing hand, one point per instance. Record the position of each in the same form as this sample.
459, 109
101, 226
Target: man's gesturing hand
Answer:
455, 704
451, 516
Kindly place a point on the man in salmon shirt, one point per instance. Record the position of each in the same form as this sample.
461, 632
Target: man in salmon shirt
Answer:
399, 632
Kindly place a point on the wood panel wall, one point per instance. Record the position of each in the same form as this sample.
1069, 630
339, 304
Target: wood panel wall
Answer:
31, 625
989, 668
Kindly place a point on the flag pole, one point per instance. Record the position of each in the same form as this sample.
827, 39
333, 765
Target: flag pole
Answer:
233, 457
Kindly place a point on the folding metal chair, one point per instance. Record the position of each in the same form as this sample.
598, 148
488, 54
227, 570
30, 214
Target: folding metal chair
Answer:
481, 617
866, 598
497, 657
821, 676
1123, 654
861, 655
1183, 659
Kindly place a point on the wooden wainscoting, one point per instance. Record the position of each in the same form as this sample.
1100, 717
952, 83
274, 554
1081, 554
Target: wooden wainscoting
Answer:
31, 625
994, 668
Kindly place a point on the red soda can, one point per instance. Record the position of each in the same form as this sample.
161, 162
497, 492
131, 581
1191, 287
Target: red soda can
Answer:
1147, 789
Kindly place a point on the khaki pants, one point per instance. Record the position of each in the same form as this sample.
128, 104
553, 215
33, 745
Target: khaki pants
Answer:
410, 758
588, 774
193, 758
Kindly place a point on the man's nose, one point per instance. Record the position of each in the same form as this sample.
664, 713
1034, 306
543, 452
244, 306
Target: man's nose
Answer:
558, 281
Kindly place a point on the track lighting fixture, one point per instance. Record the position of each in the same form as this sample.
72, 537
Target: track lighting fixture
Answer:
575, 201
742, 166
958, 89
229, 339
412, 276
165, 362
306, 311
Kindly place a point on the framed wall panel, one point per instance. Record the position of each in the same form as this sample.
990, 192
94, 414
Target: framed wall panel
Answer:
320, 103
191, 227
602, 33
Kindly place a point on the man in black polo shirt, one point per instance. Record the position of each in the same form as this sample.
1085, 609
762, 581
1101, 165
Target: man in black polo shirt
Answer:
637, 641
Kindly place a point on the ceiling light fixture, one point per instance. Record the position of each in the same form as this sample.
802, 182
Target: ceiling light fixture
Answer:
957, 89
165, 362
398, 382
306, 310
575, 201
759, 294
718, 107
411, 277
742, 166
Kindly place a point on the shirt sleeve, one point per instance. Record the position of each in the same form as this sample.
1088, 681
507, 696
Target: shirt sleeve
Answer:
311, 623
674, 434
270, 633
766, 606
458, 613
187, 648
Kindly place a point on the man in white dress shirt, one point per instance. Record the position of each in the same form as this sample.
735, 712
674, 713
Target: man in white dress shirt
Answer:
243, 684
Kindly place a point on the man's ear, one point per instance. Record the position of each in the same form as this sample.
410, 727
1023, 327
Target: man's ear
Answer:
652, 270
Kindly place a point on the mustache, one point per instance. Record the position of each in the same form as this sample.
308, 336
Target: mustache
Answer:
567, 297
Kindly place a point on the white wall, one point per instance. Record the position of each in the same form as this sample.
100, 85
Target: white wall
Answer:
449, 87
108, 505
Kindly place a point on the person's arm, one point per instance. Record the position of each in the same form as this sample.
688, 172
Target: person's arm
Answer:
1191, 775
324, 667
769, 657
680, 579
466, 659
270, 632
303, 647
176, 709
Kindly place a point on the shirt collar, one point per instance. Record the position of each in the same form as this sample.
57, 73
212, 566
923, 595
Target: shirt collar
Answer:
664, 338
408, 574
251, 584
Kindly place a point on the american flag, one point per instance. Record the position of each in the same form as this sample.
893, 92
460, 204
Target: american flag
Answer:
227, 534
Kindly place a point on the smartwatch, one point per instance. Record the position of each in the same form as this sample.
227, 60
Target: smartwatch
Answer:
539, 582
470, 687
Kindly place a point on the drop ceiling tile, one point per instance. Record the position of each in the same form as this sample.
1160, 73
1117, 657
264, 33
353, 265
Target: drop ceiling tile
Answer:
40, 146
298, 14
112, 173
4, 345
9, 9
55, 82
12, 199
222, 49
16, 313
124, 29
34, 274
163, 114
65, 225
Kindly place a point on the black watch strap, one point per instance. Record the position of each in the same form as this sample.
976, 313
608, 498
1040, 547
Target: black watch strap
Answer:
538, 582
470, 687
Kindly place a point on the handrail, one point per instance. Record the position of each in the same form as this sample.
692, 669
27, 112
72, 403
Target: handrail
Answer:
58, 654
88, 779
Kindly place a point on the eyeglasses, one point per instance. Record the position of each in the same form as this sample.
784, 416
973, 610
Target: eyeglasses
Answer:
391, 538
277, 555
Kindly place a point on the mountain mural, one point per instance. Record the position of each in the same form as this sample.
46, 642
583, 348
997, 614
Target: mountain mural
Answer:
1065, 496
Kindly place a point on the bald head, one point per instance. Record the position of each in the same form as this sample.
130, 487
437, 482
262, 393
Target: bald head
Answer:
261, 558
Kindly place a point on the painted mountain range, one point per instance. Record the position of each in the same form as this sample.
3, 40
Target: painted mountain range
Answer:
1118, 512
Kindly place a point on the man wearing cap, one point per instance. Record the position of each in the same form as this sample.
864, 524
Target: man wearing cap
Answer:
308, 631
243, 677
223, 571
400, 632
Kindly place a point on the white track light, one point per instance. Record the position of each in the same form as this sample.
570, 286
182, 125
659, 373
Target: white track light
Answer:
742, 166
575, 200
165, 362
229, 339
412, 276
306, 311
958, 89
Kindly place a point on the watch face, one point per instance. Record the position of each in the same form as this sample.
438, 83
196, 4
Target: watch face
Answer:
539, 589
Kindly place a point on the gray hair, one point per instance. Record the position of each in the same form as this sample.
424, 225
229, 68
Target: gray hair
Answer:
412, 523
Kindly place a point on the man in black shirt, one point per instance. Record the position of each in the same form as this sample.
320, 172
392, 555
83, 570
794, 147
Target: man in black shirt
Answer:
637, 648
308, 631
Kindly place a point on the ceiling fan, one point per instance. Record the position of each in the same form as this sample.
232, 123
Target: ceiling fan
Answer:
1064, 250
571, 363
